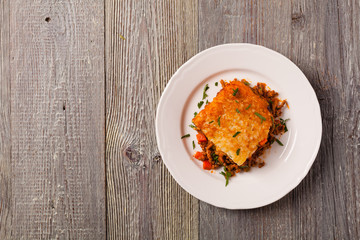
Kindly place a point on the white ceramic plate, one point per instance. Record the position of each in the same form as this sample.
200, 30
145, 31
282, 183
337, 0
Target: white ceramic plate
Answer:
285, 165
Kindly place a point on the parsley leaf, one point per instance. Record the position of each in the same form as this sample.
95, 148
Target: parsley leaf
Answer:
200, 104
235, 91
227, 175
278, 141
204, 92
236, 135
260, 116
185, 136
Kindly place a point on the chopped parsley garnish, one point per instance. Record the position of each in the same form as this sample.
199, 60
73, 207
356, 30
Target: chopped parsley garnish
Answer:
219, 121
207, 101
236, 101
238, 151
211, 121
215, 157
195, 113
260, 116
244, 166
278, 141
248, 107
185, 136
193, 145
192, 126
200, 104
246, 83
236, 135
205, 89
235, 91
283, 122
272, 120
216, 83
227, 175
237, 110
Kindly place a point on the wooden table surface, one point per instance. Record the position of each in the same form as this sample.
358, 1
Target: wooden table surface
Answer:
79, 85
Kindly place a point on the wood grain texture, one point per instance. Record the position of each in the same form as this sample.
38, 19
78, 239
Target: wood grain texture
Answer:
53, 141
57, 119
146, 41
322, 38
5, 143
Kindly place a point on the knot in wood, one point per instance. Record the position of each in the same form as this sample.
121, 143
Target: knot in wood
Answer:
133, 155
157, 158
297, 20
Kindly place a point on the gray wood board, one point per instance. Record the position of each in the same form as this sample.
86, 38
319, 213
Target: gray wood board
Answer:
322, 38
57, 119
52, 117
145, 43
5, 143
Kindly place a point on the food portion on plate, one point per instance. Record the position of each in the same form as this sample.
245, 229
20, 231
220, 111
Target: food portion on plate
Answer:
237, 127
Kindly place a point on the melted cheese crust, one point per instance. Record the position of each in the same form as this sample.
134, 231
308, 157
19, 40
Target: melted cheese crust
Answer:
252, 129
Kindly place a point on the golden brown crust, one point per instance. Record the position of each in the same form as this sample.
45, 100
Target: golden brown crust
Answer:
235, 109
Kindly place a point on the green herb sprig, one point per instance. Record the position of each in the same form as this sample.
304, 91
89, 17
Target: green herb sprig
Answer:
237, 133
204, 92
185, 136
215, 157
200, 104
283, 122
260, 116
227, 175
235, 91
278, 141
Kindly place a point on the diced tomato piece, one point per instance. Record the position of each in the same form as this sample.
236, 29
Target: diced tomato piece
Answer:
263, 142
199, 155
201, 137
206, 165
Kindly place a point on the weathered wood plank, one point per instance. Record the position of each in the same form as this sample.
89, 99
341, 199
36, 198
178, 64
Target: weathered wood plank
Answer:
145, 43
322, 38
57, 119
5, 144
327, 50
